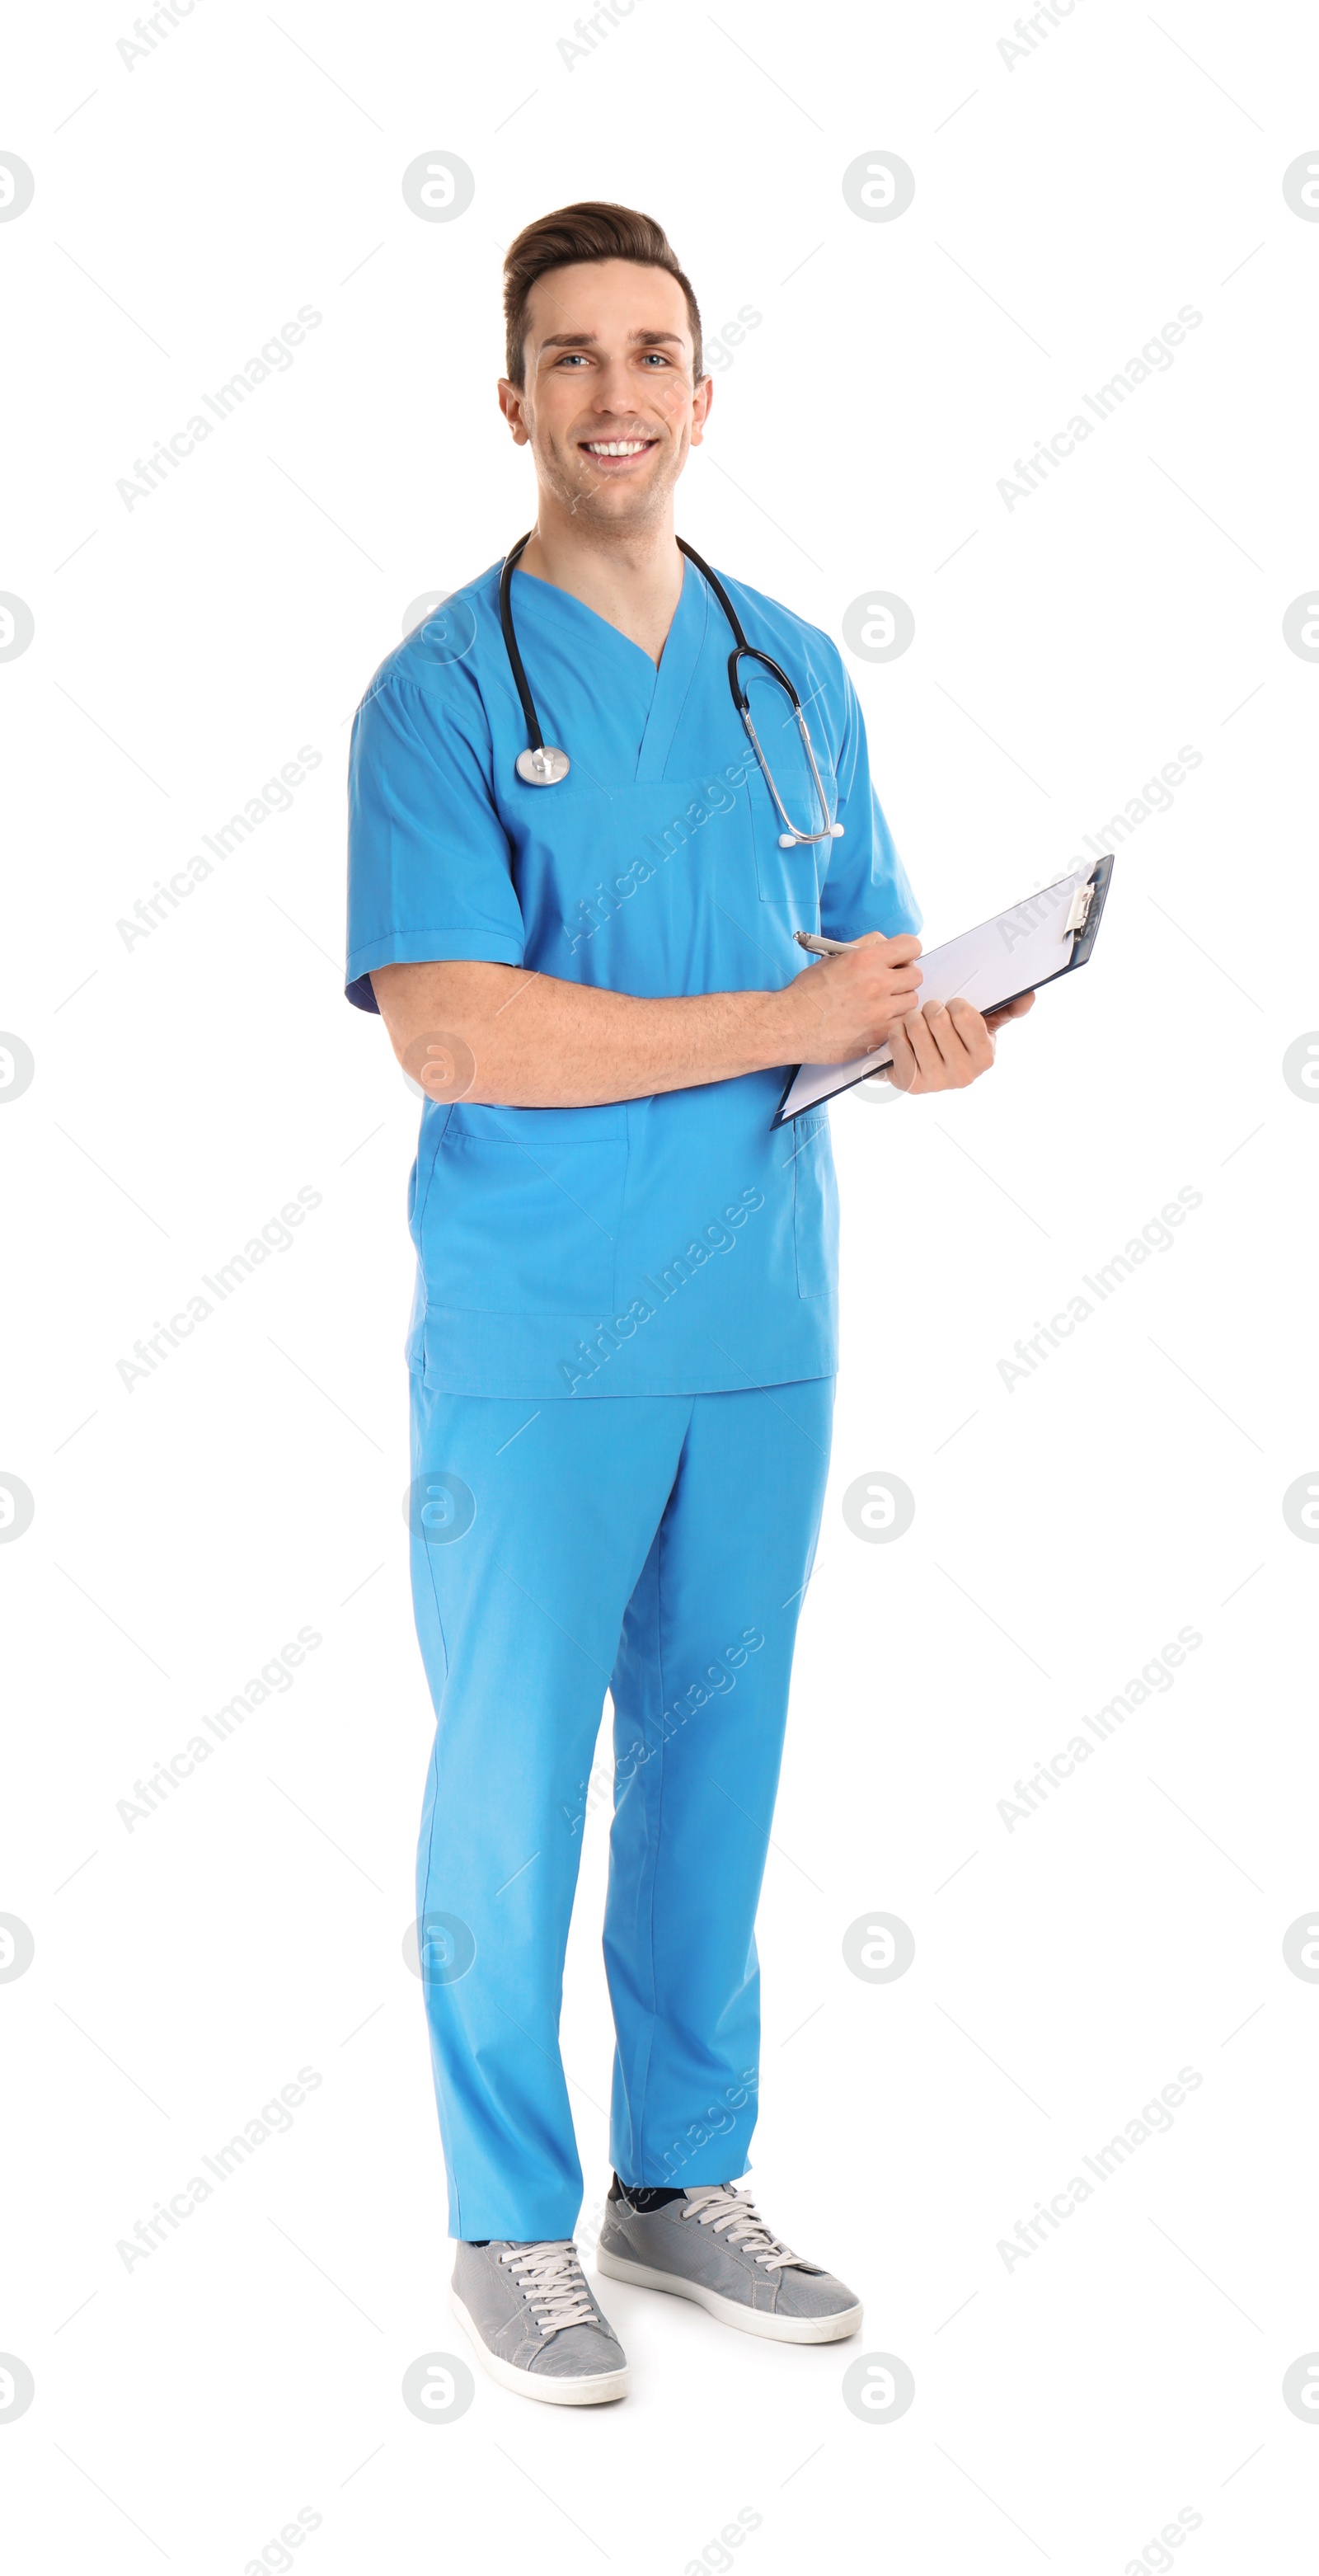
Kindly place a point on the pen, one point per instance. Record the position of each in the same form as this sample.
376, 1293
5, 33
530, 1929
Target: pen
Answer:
823, 947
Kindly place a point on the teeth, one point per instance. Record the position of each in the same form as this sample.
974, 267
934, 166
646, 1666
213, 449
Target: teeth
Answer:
615, 446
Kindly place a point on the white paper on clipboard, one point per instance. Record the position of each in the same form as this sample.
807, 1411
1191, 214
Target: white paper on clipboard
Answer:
1011, 954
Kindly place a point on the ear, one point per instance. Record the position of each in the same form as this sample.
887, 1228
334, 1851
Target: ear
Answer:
701, 401
513, 405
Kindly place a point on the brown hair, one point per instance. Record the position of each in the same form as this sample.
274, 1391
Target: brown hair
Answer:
576, 235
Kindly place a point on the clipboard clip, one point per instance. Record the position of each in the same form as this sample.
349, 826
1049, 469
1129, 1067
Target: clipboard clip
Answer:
1079, 908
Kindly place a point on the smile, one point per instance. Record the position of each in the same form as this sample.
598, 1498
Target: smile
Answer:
617, 446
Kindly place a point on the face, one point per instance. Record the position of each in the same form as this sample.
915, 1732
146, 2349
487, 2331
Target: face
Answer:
609, 408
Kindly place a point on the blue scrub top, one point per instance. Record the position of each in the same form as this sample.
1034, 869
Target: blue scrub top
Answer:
668, 1246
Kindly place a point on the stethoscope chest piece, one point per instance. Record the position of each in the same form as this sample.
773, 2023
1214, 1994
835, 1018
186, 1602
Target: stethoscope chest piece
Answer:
542, 766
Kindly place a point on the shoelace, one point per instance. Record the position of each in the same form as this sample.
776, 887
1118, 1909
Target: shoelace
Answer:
733, 2214
551, 2277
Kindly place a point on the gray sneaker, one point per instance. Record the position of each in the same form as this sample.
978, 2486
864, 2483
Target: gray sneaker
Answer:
710, 2246
535, 2324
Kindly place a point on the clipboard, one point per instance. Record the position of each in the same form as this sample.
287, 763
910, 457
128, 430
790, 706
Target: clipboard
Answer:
1050, 934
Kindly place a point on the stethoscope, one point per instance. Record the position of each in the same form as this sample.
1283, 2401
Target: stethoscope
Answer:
542, 764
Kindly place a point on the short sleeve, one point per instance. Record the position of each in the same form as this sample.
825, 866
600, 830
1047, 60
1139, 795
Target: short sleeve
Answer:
429, 863
866, 887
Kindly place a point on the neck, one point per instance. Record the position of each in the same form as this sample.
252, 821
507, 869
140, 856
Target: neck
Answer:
632, 577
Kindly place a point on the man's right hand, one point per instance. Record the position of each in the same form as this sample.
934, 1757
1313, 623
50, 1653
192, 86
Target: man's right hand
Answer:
846, 1006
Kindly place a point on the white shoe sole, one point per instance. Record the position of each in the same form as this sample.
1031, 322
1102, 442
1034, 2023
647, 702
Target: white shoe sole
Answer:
730, 2312
596, 2389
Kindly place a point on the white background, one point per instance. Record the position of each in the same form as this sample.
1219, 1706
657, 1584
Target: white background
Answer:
1066, 206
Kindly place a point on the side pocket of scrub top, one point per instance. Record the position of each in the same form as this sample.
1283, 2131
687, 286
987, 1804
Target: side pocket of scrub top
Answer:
815, 1204
523, 1211
435, 1118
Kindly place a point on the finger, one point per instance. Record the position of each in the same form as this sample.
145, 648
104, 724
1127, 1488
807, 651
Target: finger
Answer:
971, 1036
968, 1021
903, 1070
942, 1019
900, 975
899, 950
957, 1046
927, 1060
903, 992
1014, 1010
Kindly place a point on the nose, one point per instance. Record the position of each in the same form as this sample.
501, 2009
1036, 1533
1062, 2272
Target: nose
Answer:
614, 394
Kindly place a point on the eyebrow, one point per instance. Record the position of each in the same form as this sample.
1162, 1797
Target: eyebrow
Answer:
591, 339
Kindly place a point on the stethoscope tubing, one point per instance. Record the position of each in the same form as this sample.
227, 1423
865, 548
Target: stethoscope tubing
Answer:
741, 650
534, 735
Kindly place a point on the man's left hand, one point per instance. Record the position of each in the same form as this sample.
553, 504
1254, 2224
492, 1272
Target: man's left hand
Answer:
945, 1045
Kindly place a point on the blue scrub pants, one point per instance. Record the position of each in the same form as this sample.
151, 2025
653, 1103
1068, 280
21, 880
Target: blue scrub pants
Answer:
657, 1546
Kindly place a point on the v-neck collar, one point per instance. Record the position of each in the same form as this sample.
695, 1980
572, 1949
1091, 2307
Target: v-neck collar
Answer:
663, 691
673, 680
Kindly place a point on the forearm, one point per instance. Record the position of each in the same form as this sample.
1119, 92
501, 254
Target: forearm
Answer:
533, 1042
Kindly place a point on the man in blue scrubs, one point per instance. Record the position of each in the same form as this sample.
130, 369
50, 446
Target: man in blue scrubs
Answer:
624, 1336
